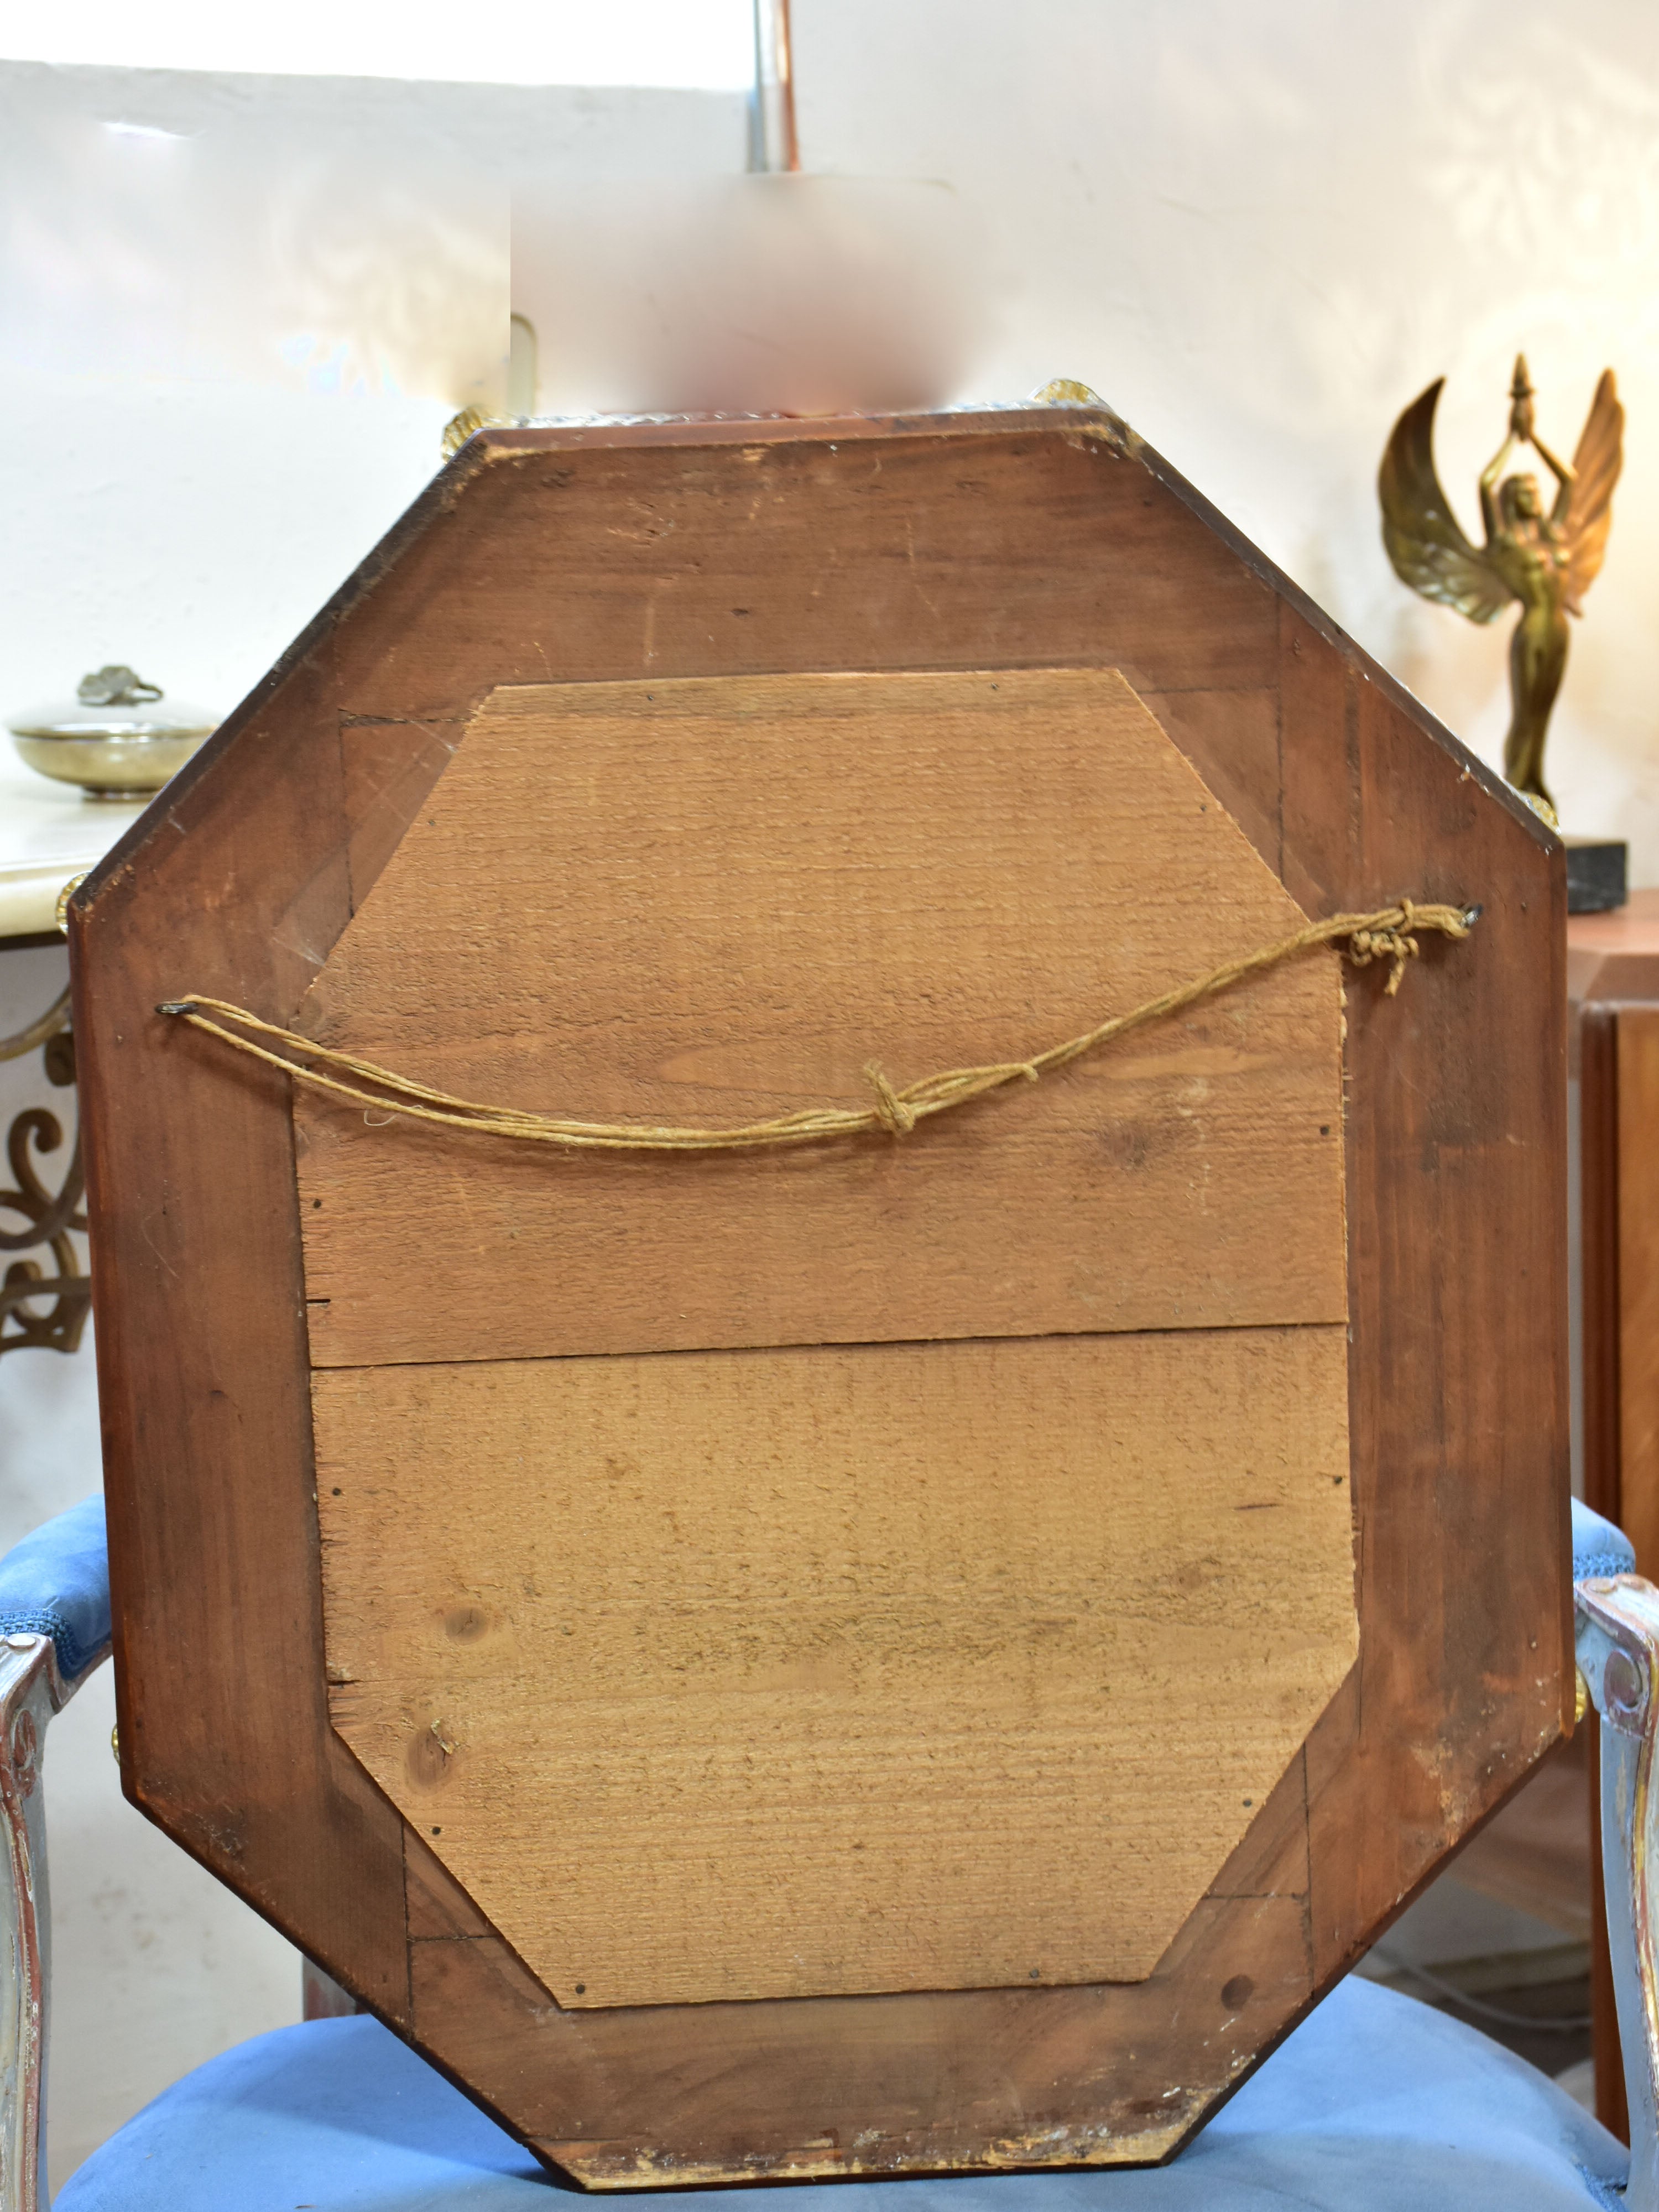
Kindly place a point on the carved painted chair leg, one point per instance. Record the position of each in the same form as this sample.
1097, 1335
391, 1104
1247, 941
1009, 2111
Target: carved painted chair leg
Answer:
1618, 1639
54, 1630
30, 1691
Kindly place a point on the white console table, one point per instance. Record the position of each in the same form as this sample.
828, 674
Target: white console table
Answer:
49, 836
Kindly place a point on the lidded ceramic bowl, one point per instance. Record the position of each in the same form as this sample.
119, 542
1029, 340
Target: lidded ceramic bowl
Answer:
116, 738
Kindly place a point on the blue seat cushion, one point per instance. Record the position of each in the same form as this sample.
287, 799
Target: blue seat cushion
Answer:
1599, 1548
56, 1584
1376, 2104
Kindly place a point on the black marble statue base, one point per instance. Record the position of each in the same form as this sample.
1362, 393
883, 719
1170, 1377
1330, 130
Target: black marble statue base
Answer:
1597, 871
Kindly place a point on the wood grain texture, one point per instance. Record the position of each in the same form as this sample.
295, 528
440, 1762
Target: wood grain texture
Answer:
1272, 1861
1049, 538
1233, 738
964, 543
603, 2094
1534, 1852
206, 1417
1465, 1329
713, 900
386, 769
825, 1671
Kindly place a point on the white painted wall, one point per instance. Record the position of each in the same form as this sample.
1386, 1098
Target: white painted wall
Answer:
181, 491
184, 484
536, 42
1258, 227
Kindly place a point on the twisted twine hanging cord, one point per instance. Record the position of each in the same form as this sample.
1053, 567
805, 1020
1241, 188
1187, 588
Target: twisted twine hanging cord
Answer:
1389, 934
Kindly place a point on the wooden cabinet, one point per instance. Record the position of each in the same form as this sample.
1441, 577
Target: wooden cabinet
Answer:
1612, 983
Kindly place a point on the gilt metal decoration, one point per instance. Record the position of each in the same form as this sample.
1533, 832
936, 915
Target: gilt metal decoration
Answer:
1546, 561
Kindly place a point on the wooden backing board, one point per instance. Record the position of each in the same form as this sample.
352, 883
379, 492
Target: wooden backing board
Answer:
792, 1674
1043, 539
708, 900
822, 1671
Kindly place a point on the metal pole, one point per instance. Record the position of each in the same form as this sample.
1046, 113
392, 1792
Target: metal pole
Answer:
774, 148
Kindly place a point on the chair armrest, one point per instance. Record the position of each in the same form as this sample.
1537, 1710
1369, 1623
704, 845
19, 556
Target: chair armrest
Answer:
1616, 1632
54, 1629
1599, 1550
56, 1584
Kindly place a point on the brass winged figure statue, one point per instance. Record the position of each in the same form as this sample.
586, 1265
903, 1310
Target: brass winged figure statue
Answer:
1546, 561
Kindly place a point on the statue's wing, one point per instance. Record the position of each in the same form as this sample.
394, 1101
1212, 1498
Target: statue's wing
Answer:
1424, 538
1596, 464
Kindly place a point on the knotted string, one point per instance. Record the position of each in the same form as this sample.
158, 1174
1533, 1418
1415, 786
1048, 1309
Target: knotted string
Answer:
1391, 933
891, 1110
1389, 942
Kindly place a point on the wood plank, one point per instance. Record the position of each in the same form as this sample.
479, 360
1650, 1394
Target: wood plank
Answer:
1534, 1852
1463, 1330
924, 870
1005, 547
386, 770
629, 2099
208, 1471
439, 1908
825, 1671
1232, 739
1273, 1859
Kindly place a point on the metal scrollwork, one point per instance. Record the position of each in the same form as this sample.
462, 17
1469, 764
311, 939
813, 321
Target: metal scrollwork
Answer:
51, 1218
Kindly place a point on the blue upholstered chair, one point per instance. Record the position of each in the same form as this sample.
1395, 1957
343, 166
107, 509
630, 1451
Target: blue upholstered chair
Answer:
1376, 2104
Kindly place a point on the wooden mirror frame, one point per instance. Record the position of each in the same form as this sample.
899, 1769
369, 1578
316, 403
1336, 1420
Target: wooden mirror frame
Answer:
1046, 537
